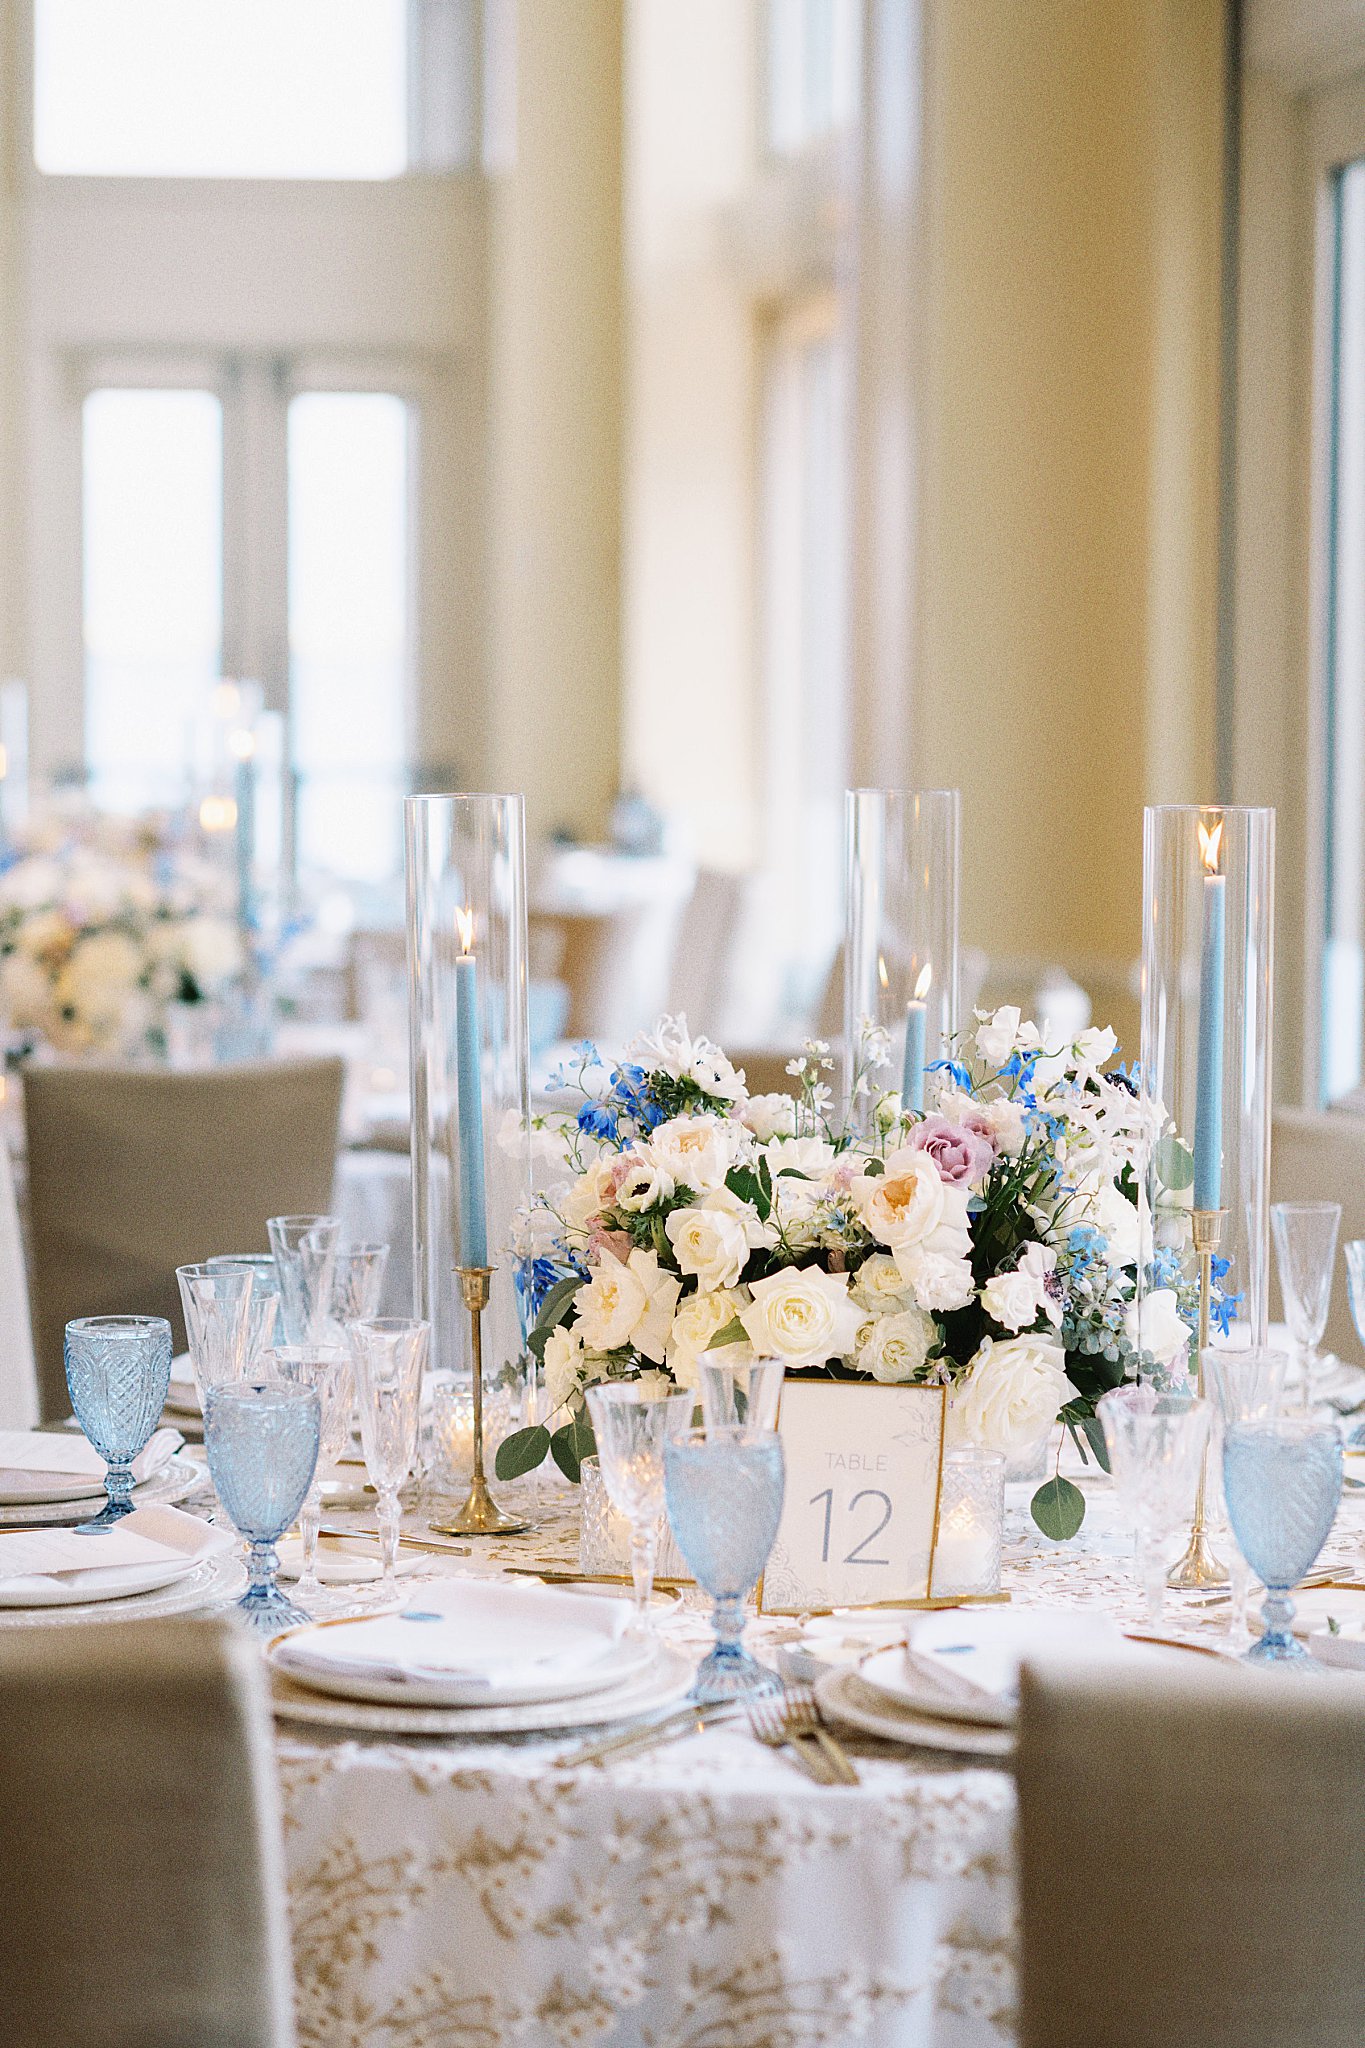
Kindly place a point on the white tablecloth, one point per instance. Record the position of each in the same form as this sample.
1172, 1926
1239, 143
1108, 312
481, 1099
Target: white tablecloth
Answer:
475, 1895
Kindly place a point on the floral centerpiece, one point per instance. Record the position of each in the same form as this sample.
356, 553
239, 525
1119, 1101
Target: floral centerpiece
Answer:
104, 923
990, 1244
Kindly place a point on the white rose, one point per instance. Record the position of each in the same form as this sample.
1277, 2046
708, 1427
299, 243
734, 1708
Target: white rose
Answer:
937, 1280
645, 1185
697, 1320
709, 1243
588, 1195
1010, 1398
878, 1283
803, 1315
770, 1116
1155, 1325
809, 1156
903, 1205
698, 1151
893, 1348
1017, 1299
998, 1035
628, 1304
563, 1358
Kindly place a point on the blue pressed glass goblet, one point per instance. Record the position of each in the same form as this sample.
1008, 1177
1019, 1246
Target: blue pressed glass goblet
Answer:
262, 1446
118, 1373
724, 1492
1282, 1482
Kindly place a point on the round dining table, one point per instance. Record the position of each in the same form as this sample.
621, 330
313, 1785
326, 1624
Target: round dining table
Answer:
485, 1891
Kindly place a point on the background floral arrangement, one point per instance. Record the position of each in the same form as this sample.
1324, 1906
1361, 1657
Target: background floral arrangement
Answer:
991, 1244
105, 922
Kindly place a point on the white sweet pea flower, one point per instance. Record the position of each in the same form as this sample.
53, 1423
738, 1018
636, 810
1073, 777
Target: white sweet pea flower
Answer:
803, 1315
1096, 1046
1002, 1033
1155, 1325
893, 1348
698, 1151
1114, 1216
630, 1303
1011, 1395
770, 1116
699, 1318
709, 1243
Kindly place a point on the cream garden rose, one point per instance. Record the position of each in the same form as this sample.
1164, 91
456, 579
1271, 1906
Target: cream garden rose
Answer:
879, 1283
1010, 1397
893, 1348
802, 1314
699, 1319
710, 1244
904, 1204
698, 1151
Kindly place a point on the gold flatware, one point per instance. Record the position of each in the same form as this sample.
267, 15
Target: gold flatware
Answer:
652, 1735
336, 1530
553, 1576
803, 1717
769, 1724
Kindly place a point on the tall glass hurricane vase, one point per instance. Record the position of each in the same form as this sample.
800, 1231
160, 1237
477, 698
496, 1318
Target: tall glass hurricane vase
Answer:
1207, 944
466, 921
901, 849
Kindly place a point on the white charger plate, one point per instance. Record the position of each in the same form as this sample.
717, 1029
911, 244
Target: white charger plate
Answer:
847, 1698
214, 1583
50, 1488
622, 1662
665, 1681
176, 1479
890, 1673
108, 1582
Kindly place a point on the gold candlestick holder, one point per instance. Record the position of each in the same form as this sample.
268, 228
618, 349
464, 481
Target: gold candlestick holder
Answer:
1199, 1568
480, 1515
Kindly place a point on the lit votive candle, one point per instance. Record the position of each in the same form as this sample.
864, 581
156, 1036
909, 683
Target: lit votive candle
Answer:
970, 1523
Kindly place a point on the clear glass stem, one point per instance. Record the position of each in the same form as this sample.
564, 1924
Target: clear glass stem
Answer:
1152, 1576
310, 1516
390, 1517
644, 1545
1239, 1582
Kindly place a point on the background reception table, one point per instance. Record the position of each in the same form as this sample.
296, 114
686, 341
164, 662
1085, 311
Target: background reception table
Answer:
475, 1894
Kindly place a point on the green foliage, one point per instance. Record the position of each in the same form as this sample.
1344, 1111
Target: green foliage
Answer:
553, 1310
573, 1443
1058, 1508
522, 1452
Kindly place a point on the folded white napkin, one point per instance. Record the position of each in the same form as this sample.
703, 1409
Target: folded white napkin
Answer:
488, 1634
31, 1459
983, 1650
151, 1537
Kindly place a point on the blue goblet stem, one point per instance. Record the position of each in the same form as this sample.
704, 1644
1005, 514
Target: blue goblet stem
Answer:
118, 1488
727, 1622
1278, 1644
263, 1562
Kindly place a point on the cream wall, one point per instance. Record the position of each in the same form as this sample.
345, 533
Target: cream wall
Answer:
1068, 536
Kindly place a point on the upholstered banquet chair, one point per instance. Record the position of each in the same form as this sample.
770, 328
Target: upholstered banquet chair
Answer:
1321, 1158
1192, 1858
143, 1883
18, 1376
134, 1171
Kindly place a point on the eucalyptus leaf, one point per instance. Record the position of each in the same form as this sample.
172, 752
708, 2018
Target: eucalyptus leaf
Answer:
1094, 1436
564, 1449
1174, 1163
1058, 1508
553, 1310
522, 1451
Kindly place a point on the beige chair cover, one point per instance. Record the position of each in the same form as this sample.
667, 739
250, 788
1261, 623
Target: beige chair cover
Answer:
18, 1374
1192, 1859
143, 1886
135, 1171
1321, 1158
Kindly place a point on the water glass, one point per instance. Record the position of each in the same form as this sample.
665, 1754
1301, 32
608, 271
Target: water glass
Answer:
262, 1445
305, 1251
1305, 1254
724, 1492
389, 1354
740, 1396
327, 1369
1282, 1482
1155, 1444
265, 1300
358, 1283
217, 1302
1245, 1386
632, 1423
118, 1373
1355, 1294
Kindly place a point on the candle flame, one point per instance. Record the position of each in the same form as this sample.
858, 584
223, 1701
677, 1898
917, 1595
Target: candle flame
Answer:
926, 975
882, 975
1209, 843
464, 923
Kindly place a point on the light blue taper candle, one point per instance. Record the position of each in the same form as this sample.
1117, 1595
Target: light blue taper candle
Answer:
1208, 1112
912, 1070
469, 1081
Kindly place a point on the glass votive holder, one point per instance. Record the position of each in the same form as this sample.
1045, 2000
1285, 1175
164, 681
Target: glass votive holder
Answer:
604, 1533
452, 1429
971, 1516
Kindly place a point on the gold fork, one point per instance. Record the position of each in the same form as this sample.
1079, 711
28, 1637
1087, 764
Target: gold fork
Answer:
803, 1718
768, 1723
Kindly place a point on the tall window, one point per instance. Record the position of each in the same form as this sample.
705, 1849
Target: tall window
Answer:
812, 54
153, 582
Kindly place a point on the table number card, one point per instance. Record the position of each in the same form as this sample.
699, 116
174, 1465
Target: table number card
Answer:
864, 1464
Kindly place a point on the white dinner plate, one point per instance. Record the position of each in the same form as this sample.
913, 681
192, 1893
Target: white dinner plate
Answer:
112, 1582
845, 1697
176, 1479
46, 1488
892, 1674
620, 1663
212, 1583
664, 1682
